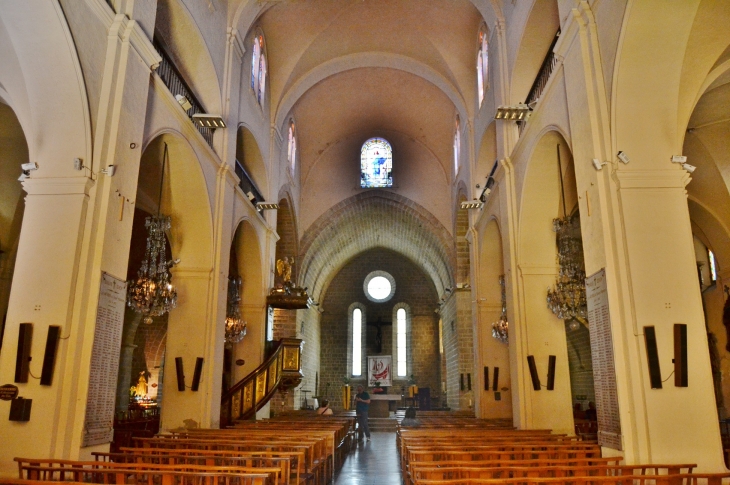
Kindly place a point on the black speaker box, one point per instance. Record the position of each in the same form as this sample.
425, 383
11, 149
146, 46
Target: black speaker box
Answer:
468, 381
196, 374
680, 355
49, 356
22, 358
20, 409
486, 378
551, 373
652, 358
495, 381
180, 374
533, 372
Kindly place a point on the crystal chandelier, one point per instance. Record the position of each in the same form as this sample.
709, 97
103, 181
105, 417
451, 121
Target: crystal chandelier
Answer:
567, 298
500, 328
152, 293
235, 326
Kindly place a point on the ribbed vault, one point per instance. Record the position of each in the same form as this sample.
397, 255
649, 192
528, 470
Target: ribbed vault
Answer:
369, 220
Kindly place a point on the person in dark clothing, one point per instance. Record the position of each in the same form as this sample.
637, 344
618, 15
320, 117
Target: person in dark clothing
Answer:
362, 400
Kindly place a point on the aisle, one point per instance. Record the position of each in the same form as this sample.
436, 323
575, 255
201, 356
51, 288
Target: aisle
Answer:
372, 463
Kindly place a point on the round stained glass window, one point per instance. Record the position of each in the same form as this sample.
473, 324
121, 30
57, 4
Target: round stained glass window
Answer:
379, 286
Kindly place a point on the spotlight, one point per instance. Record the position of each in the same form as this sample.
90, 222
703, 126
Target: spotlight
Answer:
23, 176
688, 167
110, 170
264, 206
623, 157
27, 167
184, 102
519, 112
208, 121
598, 165
679, 159
473, 204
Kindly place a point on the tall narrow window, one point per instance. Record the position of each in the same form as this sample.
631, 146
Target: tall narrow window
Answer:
258, 69
376, 164
357, 342
457, 146
401, 342
713, 266
292, 151
482, 65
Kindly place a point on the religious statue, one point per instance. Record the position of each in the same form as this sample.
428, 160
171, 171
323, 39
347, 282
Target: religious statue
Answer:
141, 389
283, 269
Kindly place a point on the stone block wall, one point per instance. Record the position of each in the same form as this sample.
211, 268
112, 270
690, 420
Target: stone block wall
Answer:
414, 288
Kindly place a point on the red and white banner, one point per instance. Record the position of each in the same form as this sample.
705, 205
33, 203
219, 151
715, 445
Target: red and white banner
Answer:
380, 370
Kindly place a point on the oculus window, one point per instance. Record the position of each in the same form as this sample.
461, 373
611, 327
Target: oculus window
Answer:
379, 286
376, 164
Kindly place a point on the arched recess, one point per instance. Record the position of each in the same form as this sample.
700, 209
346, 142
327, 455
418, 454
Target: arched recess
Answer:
461, 222
403, 226
13, 152
487, 154
249, 155
537, 36
184, 43
247, 247
540, 333
491, 353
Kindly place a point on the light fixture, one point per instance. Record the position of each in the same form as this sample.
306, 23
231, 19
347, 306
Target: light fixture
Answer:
29, 167
184, 102
266, 206
500, 328
152, 293
688, 167
567, 298
679, 159
78, 164
520, 112
623, 157
472, 204
23, 176
235, 325
574, 325
208, 121
598, 165
110, 170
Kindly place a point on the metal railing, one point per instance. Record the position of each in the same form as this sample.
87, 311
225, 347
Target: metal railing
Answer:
177, 86
247, 185
543, 75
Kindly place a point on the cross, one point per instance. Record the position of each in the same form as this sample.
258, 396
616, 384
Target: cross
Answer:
379, 336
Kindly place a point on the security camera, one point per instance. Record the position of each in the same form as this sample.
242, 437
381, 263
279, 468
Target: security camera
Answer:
688, 167
623, 157
23, 176
679, 159
27, 167
597, 164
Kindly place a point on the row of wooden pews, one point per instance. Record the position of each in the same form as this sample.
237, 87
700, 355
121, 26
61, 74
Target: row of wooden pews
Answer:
303, 450
450, 450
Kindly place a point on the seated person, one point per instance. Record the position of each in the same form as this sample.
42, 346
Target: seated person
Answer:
324, 408
410, 419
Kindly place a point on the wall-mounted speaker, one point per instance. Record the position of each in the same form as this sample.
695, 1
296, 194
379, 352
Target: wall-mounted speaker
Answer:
551, 373
180, 374
468, 381
461, 382
495, 381
22, 358
49, 356
652, 358
196, 374
680, 355
20, 409
533, 372
486, 378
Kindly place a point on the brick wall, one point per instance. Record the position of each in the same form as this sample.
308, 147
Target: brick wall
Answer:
414, 288
580, 364
458, 338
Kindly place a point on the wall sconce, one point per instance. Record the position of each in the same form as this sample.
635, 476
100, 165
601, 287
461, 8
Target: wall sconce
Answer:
520, 112
208, 121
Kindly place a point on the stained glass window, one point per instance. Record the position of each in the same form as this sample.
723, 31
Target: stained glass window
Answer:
376, 164
713, 266
457, 146
482, 65
255, 62
292, 151
258, 69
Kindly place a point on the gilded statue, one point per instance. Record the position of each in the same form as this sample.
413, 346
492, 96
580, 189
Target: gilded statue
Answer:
283, 268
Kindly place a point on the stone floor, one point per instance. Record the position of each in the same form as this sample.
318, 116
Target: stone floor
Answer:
372, 462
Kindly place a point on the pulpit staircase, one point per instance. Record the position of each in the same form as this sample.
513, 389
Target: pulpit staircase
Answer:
282, 369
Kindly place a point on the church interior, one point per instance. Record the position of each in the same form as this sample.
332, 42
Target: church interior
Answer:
227, 211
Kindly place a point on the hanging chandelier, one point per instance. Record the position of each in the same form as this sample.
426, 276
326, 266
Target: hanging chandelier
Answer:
567, 298
500, 328
235, 325
152, 293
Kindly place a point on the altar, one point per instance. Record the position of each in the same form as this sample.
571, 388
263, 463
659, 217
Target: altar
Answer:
380, 404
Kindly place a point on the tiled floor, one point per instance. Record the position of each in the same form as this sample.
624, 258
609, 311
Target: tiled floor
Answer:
372, 463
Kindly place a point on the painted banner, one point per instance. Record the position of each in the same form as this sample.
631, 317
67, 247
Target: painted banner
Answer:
380, 370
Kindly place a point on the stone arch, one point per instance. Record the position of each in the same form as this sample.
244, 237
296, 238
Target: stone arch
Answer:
184, 42
249, 155
491, 353
402, 226
251, 268
538, 33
